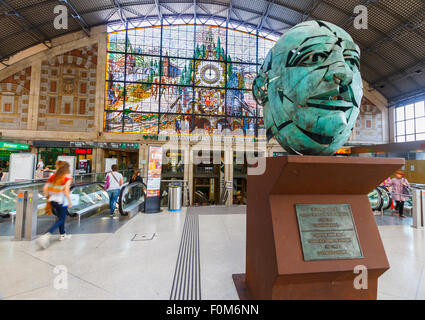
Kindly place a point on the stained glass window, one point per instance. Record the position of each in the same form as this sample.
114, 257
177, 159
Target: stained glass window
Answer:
183, 79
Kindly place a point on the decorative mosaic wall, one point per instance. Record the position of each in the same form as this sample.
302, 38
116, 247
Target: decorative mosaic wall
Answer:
369, 123
14, 99
183, 79
68, 91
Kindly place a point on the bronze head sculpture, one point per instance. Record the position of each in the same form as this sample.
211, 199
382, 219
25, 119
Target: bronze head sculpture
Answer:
311, 88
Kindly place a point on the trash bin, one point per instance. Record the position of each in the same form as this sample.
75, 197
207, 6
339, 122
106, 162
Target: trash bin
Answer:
174, 197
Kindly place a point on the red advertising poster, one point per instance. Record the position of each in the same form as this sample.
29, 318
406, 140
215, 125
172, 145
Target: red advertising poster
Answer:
154, 172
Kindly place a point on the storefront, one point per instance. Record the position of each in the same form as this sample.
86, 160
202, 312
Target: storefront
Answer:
49, 151
127, 154
50, 155
7, 148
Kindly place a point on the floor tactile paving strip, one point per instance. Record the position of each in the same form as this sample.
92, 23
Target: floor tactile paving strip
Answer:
187, 275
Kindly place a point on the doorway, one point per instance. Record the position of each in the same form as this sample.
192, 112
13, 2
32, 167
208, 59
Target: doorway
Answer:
208, 173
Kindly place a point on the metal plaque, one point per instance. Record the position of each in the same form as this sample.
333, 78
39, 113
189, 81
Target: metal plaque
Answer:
327, 232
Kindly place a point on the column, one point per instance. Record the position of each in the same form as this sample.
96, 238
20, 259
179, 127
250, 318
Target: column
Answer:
228, 171
143, 159
34, 98
188, 175
98, 156
391, 123
100, 83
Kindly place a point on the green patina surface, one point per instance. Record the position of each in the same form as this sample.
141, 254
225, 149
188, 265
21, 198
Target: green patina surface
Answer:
311, 88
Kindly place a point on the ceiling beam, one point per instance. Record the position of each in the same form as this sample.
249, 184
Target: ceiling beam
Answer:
401, 73
400, 28
117, 5
229, 13
158, 9
353, 16
382, 34
213, 15
265, 15
29, 28
80, 20
407, 95
366, 50
402, 19
309, 12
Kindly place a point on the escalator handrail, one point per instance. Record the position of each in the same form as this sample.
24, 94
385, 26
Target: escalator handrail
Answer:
20, 184
76, 185
120, 198
6, 184
82, 185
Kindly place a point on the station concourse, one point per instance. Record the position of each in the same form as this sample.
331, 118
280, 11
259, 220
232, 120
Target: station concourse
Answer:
189, 100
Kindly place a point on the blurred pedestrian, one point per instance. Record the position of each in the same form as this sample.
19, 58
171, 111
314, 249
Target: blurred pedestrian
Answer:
57, 189
400, 191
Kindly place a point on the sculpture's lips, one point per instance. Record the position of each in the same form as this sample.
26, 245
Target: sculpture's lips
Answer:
317, 137
335, 103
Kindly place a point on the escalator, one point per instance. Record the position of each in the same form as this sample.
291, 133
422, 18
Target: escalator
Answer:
132, 199
91, 204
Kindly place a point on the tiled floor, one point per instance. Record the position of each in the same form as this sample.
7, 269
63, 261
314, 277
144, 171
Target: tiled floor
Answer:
112, 266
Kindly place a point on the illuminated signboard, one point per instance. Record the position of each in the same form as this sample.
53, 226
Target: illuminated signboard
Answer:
83, 151
14, 146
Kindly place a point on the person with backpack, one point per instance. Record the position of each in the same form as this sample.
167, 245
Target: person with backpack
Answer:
113, 182
400, 191
57, 189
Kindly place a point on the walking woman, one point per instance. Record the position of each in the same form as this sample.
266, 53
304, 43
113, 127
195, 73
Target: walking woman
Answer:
56, 190
400, 193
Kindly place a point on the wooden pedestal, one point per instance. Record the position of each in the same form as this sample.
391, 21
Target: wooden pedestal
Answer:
275, 265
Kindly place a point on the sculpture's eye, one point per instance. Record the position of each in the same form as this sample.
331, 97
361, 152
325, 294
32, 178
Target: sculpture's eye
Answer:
311, 59
353, 62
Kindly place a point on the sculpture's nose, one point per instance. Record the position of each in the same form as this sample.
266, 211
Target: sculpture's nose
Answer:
339, 73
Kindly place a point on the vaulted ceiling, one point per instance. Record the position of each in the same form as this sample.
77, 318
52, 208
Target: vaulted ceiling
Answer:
393, 45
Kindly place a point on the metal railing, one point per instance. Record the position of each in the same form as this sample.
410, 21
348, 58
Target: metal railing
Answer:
78, 178
226, 191
100, 177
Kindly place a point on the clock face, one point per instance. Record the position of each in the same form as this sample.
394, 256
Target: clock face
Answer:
210, 73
